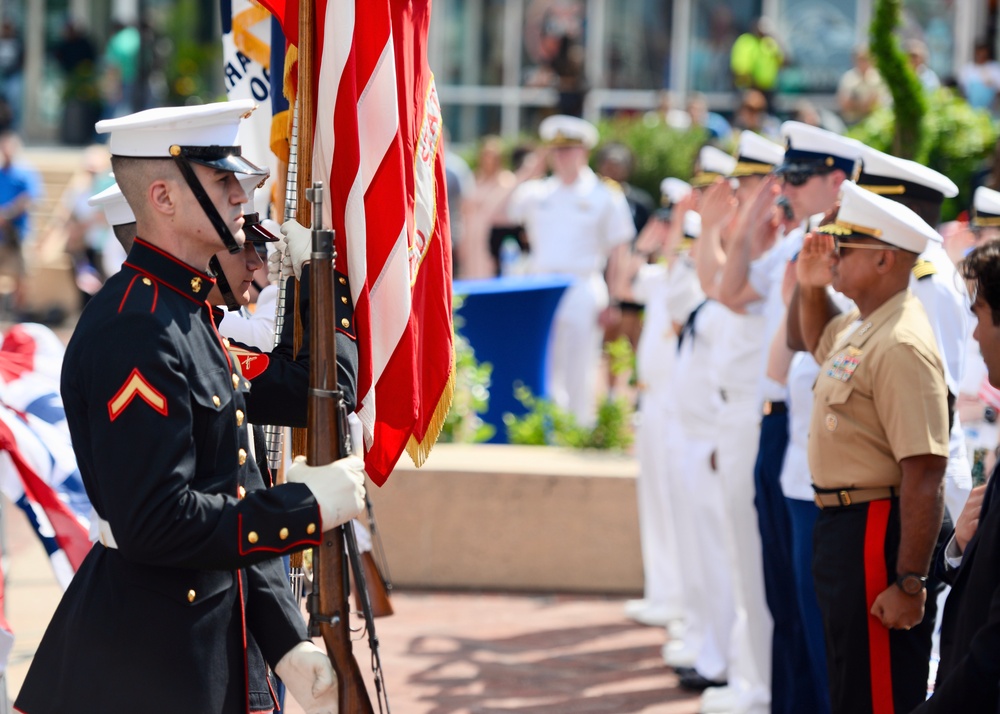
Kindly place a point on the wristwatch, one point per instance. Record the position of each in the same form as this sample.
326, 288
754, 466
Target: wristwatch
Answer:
911, 583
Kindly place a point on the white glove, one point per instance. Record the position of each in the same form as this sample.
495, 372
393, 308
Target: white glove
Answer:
299, 240
275, 255
338, 487
306, 671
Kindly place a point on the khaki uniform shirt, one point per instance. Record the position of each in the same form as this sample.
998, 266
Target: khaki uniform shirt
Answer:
880, 397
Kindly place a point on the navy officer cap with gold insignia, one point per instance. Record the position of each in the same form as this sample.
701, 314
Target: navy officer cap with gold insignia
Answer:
756, 155
255, 232
115, 207
673, 190
985, 207
692, 225
868, 215
561, 130
813, 150
713, 163
205, 134
892, 176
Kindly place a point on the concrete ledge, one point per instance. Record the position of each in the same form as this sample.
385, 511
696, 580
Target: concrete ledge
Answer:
503, 517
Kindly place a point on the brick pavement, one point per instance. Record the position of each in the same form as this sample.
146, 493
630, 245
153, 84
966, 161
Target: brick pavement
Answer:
447, 653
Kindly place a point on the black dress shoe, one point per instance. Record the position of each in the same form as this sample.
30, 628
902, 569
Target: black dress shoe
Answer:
696, 683
685, 671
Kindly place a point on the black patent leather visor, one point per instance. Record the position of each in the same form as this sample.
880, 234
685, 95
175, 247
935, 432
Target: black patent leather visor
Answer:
224, 158
254, 231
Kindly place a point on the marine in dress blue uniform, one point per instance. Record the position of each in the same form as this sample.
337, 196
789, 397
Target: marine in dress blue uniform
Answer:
157, 618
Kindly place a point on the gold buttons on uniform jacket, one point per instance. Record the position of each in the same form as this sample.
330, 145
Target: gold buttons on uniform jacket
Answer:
345, 322
831, 422
239, 417
236, 381
147, 281
215, 400
242, 491
343, 281
343, 299
311, 528
283, 534
243, 456
252, 536
192, 595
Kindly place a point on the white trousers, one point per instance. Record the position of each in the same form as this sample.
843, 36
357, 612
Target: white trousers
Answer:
708, 585
657, 530
575, 347
750, 659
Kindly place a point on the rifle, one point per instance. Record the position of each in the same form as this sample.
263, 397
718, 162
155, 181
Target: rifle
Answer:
328, 606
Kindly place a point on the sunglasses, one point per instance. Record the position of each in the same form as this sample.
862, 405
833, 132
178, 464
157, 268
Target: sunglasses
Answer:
798, 178
839, 244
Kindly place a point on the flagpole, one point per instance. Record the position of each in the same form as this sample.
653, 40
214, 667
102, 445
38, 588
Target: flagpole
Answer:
306, 98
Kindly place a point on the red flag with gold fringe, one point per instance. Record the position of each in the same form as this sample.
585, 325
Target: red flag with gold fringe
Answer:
378, 147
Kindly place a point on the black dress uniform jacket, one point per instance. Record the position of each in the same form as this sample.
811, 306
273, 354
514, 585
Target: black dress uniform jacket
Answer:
279, 384
280, 379
157, 411
969, 672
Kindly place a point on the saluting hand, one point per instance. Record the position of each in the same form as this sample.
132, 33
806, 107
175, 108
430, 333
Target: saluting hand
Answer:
815, 260
898, 611
968, 521
718, 206
652, 237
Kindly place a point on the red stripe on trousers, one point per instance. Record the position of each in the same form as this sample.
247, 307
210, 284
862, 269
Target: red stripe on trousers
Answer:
875, 582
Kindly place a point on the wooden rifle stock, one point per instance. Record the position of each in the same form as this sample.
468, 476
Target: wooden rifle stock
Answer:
378, 594
328, 604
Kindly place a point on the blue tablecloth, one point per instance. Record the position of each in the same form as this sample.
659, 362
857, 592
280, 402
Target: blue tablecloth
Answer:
507, 321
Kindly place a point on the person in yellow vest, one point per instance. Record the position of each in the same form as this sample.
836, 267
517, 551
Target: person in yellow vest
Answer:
756, 58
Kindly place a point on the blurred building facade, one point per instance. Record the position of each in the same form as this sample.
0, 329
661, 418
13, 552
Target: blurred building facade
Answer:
502, 64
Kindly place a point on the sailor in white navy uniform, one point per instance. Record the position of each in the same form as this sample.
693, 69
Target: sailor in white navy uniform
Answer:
657, 285
577, 224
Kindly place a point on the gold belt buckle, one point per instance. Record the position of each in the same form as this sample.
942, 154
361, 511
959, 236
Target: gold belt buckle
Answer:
845, 498
767, 408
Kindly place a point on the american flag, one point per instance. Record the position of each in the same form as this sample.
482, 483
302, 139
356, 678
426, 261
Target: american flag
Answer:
378, 133
38, 470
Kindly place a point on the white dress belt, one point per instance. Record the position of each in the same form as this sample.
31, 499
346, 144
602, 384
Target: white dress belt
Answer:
105, 535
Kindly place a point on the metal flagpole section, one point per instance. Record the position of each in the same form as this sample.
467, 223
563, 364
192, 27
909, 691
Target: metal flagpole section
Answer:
275, 435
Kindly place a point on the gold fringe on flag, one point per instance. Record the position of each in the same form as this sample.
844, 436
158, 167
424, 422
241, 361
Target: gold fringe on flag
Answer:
420, 450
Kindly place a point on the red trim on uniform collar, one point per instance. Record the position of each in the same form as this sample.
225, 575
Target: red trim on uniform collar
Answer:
176, 275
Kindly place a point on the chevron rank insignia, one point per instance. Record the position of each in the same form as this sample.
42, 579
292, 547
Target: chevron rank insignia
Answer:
136, 386
252, 364
923, 269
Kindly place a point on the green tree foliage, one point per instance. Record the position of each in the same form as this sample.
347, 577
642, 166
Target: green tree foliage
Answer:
957, 138
909, 102
464, 425
660, 150
546, 424
192, 68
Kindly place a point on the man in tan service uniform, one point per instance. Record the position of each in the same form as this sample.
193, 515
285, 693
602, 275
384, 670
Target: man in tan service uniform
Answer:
878, 446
